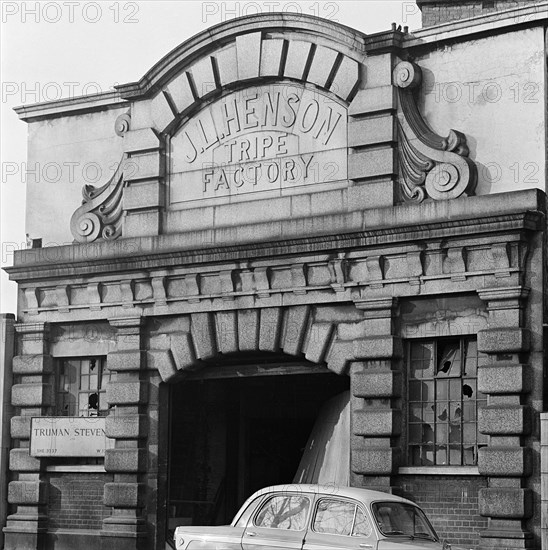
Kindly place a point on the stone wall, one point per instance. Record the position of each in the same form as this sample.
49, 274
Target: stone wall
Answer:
435, 12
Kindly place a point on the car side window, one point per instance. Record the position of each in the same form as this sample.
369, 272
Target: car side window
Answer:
362, 525
284, 512
334, 517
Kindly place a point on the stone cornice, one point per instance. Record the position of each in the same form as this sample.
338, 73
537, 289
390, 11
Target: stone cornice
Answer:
464, 29
70, 106
162, 253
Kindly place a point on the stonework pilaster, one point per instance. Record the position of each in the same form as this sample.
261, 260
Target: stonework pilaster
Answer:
32, 395
507, 419
125, 528
375, 387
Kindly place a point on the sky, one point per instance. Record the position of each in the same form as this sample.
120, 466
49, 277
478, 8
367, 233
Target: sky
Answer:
53, 50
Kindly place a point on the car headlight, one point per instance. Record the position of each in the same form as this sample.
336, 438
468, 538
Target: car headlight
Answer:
179, 541
446, 545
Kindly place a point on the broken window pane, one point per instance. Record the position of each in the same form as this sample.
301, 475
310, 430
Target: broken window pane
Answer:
449, 400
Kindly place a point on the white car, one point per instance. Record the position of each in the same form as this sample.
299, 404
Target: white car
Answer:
316, 517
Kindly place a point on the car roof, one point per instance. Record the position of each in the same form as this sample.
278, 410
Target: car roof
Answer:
364, 495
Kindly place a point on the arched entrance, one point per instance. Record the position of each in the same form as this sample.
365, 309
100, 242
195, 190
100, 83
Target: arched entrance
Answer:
239, 424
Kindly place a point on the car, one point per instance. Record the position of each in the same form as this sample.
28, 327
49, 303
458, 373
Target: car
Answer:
318, 517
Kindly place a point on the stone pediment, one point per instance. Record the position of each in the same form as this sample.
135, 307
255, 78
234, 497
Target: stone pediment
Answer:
269, 118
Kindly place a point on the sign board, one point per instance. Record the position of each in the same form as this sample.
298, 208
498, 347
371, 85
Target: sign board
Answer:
273, 138
68, 436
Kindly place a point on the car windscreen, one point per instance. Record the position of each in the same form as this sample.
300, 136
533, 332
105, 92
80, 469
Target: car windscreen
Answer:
399, 518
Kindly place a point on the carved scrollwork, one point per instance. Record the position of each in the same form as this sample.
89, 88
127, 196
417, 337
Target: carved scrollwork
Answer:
430, 165
121, 124
100, 215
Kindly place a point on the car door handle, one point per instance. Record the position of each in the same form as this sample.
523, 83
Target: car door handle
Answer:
365, 545
250, 533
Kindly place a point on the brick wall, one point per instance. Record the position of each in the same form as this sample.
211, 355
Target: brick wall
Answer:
435, 12
451, 504
76, 500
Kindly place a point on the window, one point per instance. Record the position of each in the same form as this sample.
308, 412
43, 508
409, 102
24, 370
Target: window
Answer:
284, 512
340, 517
399, 518
81, 387
443, 402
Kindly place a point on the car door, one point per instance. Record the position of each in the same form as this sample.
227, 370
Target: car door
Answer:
279, 523
340, 524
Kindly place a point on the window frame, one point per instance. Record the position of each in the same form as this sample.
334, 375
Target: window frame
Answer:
357, 506
265, 502
102, 383
479, 399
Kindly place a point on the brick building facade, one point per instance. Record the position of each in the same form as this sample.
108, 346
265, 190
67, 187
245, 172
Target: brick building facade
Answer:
297, 210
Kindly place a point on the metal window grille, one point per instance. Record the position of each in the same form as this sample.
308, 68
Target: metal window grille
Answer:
443, 402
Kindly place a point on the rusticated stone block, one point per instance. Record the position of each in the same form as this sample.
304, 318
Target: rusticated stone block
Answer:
20, 427
203, 334
503, 378
503, 340
32, 364
378, 347
126, 360
124, 495
27, 493
248, 329
377, 422
21, 461
368, 164
126, 427
505, 502
182, 350
295, 328
340, 355
32, 395
369, 131
269, 333
371, 384
125, 460
318, 340
227, 331
504, 420
374, 460
505, 461
163, 362
126, 393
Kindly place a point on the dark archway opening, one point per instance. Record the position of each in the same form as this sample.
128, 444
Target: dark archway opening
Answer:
237, 426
